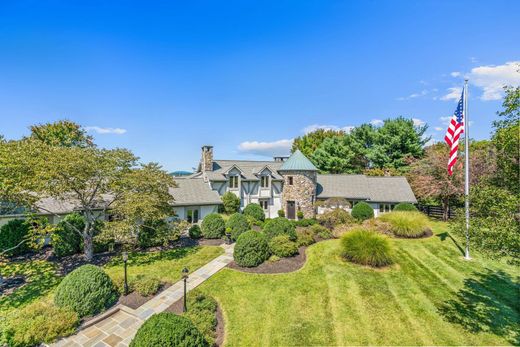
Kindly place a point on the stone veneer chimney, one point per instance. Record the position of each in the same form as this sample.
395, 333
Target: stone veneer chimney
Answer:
206, 161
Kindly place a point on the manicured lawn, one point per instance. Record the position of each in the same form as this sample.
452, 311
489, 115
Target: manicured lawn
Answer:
430, 297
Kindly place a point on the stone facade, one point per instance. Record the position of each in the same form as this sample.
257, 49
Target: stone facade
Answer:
207, 158
302, 191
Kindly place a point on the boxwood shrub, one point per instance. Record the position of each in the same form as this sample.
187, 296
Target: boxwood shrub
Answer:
11, 234
405, 206
202, 311
213, 226
65, 239
406, 223
255, 211
282, 246
167, 329
87, 290
362, 211
367, 247
279, 226
251, 249
195, 232
237, 224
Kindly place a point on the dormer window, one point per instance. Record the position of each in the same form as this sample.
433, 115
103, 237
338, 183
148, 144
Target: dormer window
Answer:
264, 181
233, 182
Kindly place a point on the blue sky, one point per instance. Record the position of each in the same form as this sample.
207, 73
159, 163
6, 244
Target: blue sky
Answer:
164, 78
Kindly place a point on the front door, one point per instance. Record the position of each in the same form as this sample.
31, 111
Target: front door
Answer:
291, 210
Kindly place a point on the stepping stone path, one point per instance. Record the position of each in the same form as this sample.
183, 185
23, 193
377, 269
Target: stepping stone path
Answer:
118, 326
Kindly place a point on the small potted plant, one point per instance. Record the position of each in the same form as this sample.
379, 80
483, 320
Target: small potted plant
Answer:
299, 214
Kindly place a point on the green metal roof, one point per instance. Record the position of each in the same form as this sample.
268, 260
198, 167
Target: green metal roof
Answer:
298, 162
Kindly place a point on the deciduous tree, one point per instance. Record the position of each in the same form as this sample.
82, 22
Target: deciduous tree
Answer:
62, 133
308, 143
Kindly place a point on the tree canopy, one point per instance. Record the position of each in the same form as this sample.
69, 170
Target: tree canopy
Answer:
309, 142
62, 133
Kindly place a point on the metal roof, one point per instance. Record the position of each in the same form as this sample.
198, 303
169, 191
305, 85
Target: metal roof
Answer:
298, 162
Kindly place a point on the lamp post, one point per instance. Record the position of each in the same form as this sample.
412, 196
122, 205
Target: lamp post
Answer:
125, 259
228, 236
185, 272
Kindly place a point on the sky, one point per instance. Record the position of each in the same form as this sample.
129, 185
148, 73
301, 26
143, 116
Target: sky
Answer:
163, 78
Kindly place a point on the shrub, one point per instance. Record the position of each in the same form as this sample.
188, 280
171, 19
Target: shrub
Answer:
255, 211
157, 233
202, 311
279, 226
282, 246
405, 206
195, 232
304, 237
299, 214
281, 213
213, 226
341, 229
406, 224
335, 217
251, 249
231, 202
11, 234
39, 322
238, 224
304, 222
362, 211
320, 231
146, 285
366, 247
87, 290
168, 330
65, 239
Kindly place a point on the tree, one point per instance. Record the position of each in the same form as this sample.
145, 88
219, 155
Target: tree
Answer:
339, 154
309, 142
62, 133
88, 179
231, 202
364, 136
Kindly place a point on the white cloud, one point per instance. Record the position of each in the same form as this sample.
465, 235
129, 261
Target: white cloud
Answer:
438, 129
376, 122
418, 122
100, 130
492, 78
453, 94
414, 95
445, 120
473, 60
274, 148
455, 74
314, 127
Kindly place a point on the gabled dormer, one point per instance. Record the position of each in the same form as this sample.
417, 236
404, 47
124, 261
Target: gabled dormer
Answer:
234, 177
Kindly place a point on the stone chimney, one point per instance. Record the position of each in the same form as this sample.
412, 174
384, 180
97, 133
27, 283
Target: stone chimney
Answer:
206, 161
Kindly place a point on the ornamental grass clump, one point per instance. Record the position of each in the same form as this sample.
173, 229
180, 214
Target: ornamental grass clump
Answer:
366, 247
406, 223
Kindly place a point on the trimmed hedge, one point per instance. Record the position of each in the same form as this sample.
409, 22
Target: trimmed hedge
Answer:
65, 239
231, 202
366, 247
11, 234
87, 290
202, 311
405, 206
282, 246
279, 226
195, 232
251, 249
168, 330
362, 211
406, 223
335, 217
146, 285
238, 224
255, 211
213, 226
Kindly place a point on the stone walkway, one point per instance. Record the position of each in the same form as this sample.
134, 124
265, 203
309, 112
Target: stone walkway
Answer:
118, 326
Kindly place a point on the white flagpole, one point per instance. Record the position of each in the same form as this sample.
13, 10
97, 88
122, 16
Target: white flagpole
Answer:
466, 167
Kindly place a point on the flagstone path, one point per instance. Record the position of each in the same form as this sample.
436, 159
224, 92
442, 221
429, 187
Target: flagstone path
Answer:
118, 326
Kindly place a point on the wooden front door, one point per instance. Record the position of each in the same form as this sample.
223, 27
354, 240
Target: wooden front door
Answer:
291, 210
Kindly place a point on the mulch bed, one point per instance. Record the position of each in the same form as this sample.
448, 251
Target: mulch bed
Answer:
176, 308
283, 265
134, 299
10, 284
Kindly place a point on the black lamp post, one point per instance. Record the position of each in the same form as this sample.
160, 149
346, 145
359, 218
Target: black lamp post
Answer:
125, 259
185, 272
228, 236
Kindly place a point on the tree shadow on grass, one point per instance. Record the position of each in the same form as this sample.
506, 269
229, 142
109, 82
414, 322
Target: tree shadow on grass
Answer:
445, 235
144, 258
488, 302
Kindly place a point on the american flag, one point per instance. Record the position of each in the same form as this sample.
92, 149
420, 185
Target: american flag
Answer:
455, 128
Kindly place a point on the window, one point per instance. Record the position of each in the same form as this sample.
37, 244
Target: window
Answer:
264, 181
290, 179
192, 215
264, 204
233, 182
385, 207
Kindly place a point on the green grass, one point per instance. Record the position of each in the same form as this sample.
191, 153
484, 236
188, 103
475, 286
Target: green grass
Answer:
430, 297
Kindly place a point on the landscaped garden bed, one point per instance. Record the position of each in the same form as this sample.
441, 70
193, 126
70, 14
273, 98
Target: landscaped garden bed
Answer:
282, 265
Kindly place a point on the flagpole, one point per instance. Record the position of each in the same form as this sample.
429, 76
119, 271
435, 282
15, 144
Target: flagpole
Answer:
466, 166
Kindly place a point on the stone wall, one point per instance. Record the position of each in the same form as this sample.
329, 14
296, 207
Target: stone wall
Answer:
301, 191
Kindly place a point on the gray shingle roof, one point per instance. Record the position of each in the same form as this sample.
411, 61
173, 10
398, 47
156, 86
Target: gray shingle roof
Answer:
250, 169
193, 191
361, 187
298, 162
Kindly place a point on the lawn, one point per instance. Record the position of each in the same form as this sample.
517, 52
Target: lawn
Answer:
430, 297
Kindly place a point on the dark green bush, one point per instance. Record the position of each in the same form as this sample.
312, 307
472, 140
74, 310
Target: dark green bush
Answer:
202, 311
366, 247
299, 214
279, 226
251, 249
281, 213
231, 202
65, 239
321, 232
38, 323
305, 237
213, 226
168, 330
282, 246
195, 232
146, 285
11, 234
87, 290
237, 224
255, 211
362, 211
405, 206
335, 217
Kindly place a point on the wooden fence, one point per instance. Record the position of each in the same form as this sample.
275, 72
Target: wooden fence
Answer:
436, 211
